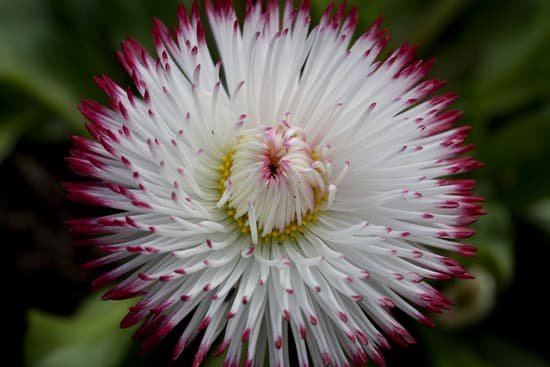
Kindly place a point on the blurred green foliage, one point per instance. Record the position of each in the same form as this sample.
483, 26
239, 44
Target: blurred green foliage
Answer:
90, 338
484, 350
495, 54
495, 245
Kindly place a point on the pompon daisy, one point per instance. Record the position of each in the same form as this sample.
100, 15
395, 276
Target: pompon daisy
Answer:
282, 201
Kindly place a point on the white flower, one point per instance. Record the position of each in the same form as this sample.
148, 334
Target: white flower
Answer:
290, 189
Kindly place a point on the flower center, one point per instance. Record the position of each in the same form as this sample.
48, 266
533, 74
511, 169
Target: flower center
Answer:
269, 185
273, 166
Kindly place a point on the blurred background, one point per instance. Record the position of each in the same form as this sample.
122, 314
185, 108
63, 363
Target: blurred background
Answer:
494, 53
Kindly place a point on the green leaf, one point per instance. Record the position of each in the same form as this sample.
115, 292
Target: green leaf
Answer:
213, 361
448, 350
435, 21
368, 10
92, 337
457, 350
29, 63
494, 241
516, 159
505, 354
11, 128
513, 53
512, 72
540, 214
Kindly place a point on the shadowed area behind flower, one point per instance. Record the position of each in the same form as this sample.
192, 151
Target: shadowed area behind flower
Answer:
496, 61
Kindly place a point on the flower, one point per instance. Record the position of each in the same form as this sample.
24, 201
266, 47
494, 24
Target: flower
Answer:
292, 188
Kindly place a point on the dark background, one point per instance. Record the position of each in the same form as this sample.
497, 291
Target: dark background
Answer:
494, 54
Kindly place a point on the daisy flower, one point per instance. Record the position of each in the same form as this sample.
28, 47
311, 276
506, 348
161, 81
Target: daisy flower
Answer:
284, 200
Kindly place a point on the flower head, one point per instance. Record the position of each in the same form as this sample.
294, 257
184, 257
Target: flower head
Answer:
292, 188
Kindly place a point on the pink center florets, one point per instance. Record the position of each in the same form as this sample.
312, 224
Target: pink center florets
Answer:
273, 167
278, 144
272, 184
